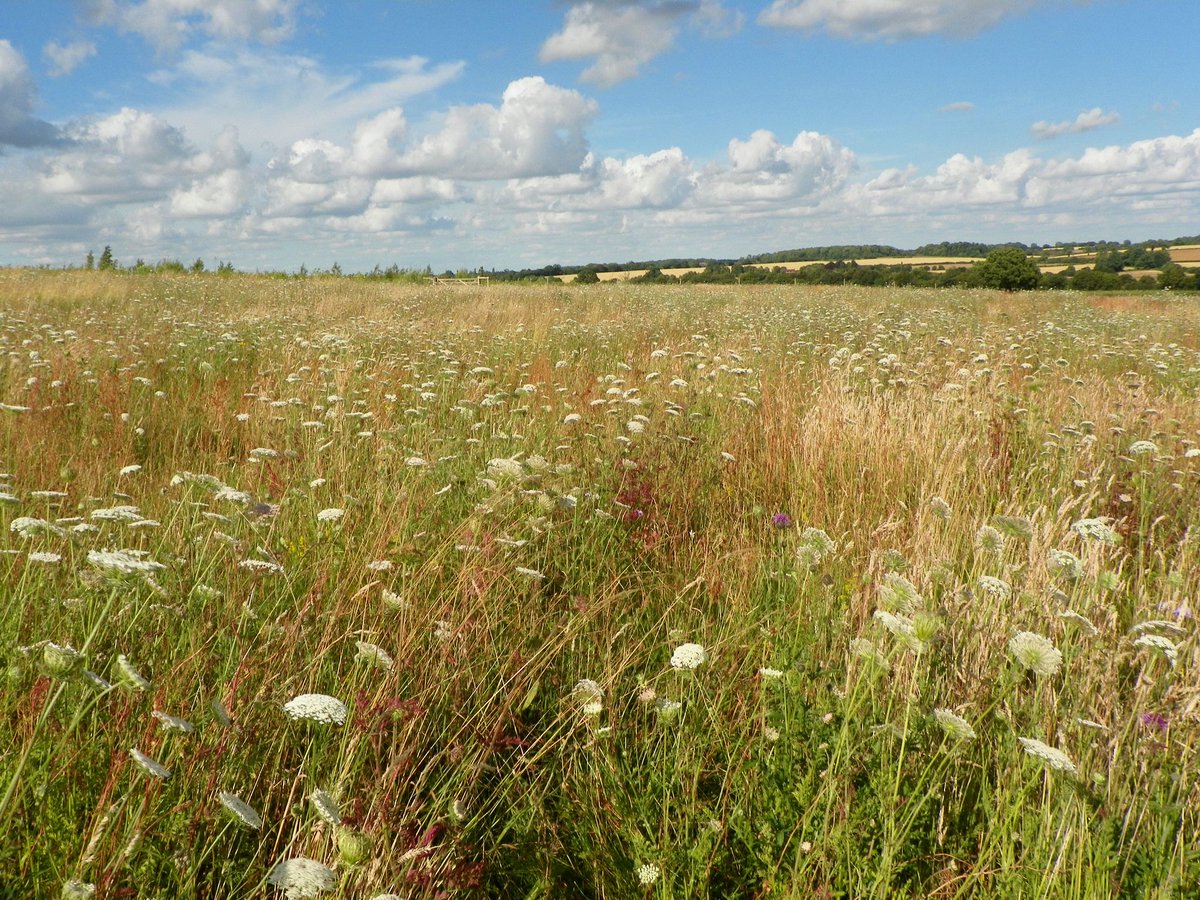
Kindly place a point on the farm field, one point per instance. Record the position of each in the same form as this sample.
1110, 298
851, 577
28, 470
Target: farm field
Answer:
323, 587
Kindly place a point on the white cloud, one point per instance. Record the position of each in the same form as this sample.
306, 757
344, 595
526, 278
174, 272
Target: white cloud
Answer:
1085, 121
66, 58
134, 156
621, 36
18, 126
538, 129
279, 98
893, 19
168, 24
959, 106
764, 171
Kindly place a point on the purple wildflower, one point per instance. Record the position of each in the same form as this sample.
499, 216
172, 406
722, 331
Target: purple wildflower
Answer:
781, 520
1153, 720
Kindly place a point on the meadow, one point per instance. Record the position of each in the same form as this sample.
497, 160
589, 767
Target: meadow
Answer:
322, 587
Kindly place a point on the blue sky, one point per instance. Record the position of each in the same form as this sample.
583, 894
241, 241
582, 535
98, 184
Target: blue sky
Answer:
460, 134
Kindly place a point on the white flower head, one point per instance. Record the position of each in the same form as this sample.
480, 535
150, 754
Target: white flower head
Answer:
150, 766
319, 708
1052, 757
242, 812
173, 723
325, 806
373, 655
1143, 448
954, 725
330, 515
1159, 644
1064, 565
994, 587
302, 877
689, 656
129, 676
1035, 653
648, 873
1096, 530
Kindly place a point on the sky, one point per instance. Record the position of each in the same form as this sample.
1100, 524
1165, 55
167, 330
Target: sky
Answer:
471, 133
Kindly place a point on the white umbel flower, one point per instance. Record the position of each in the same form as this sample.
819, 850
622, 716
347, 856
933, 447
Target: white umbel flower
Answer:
330, 515
648, 873
326, 807
689, 656
373, 655
241, 811
316, 708
302, 877
1052, 757
1035, 653
151, 767
1160, 644
954, 725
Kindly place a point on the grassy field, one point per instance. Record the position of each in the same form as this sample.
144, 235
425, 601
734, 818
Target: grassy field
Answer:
327, 587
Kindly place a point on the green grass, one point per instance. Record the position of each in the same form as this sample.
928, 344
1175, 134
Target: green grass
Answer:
802, 758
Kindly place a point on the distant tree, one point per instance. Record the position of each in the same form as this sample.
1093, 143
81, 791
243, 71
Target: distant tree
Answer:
198, 266
224, 268
1175, 277
1008, 269
107, 261
587, 276
90, 262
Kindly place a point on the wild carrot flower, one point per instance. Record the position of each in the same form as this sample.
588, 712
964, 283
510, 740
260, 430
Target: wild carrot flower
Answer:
1064, 565
78, 890
989, 539
373, 655
1013, 526
954, 725
994, 587
301, 877
330, 515
129, 676
1051, 757
173, 723
242, 812
814, 546
1096, 530
325, 806
1143, 448
590, 696
939, 507
648, 873
1035, 653
901, 628
151, 767
61, 661
1159, 644
689, 656
319, 708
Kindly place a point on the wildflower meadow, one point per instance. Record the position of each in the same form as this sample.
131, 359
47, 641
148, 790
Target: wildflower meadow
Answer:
327, 587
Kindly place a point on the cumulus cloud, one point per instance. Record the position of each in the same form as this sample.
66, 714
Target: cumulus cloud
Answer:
1085, 121
537, 131
168, 24
66, 58
892, 20
621, 36
18, 126
762, 170
133, 156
